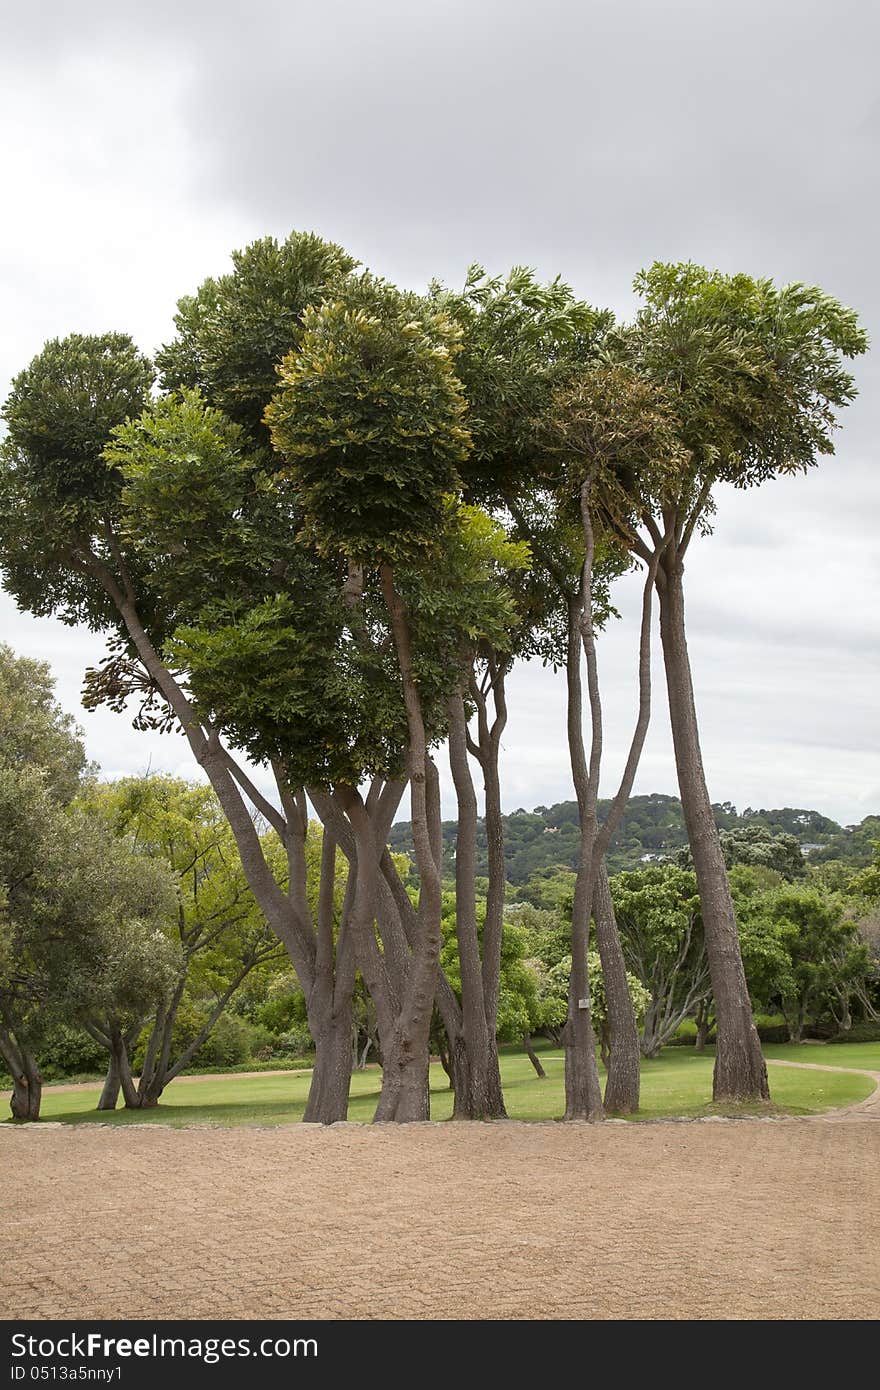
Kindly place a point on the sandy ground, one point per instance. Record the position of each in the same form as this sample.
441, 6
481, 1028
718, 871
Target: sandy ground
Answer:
714, 1219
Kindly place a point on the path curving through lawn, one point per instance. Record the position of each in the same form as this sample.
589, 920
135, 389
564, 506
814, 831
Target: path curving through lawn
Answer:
868, 1109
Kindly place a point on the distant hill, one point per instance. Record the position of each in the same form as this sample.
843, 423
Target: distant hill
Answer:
653, 827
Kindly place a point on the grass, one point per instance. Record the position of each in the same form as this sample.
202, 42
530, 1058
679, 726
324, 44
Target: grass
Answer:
679, 1082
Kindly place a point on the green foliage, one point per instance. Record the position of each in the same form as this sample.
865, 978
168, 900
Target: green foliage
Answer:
370, 421
756, 845
36, 733
518, 338
821, 963
57, 494
233, 332
753, 373
542, 846
518, 1003
855, 844
217, 933
80, 913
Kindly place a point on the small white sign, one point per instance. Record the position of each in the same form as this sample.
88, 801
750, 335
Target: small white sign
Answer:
583, 1003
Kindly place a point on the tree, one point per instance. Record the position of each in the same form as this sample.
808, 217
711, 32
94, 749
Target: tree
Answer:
520, 337
757, 845
825, 962
658, 913
369, 419
748, 377
80, 915
70, 546
217, 936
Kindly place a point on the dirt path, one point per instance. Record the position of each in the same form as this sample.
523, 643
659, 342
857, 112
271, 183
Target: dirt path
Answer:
868, 1109
715, 1219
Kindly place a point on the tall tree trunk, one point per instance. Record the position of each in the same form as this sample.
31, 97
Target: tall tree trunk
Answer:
622, 1086
27, 1091
331, 1002
583, 1093
487, 751
413, 1096
740, 1071
475, 1104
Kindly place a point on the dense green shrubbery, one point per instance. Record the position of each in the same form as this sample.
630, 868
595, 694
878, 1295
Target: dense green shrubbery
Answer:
859, 1033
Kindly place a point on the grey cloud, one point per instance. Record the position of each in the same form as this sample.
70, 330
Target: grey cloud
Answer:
584, 138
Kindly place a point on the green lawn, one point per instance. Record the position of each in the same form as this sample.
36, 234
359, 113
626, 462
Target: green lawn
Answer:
677, 1083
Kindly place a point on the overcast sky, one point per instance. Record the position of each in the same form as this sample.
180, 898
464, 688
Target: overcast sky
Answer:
143, 143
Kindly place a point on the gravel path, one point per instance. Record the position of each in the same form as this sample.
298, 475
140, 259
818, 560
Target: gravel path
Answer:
713, 1219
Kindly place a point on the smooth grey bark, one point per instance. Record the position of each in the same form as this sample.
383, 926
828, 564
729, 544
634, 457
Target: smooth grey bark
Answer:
473, 1101
411, 1054
486, 749
583, 1093
330, 1003
578, 1039
624, 1055
740, 1071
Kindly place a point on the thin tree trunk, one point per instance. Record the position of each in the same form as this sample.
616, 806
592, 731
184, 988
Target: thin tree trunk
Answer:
740, 1071
533, 1056
702, 1027
475, 1104
131, 1094
583, 1093
330, 1004
413, 1098
487, 752
624, 1052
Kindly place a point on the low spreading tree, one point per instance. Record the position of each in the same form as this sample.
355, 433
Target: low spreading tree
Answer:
217, 937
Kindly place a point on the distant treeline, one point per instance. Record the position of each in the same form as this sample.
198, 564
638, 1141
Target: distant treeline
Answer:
653, 827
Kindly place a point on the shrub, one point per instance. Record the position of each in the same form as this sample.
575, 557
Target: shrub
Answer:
859, 1033
228, 1044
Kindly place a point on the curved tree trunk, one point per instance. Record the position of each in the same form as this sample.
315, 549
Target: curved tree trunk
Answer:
27, 1089
533, 1057
27, 1083
622, 1086
27, 1094
740, 1071
110, 1093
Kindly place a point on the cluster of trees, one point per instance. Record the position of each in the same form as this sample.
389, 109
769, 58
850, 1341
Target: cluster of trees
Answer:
124, 911
320, 545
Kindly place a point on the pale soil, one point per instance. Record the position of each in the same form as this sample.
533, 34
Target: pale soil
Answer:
713, 1219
